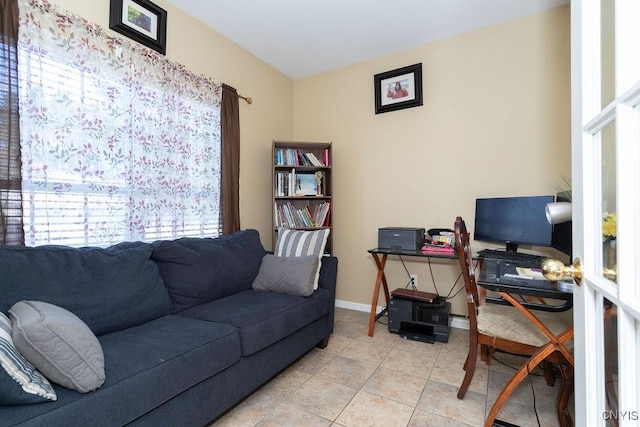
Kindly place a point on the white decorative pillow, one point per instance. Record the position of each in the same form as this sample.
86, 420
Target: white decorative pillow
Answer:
287, 275
20, 382
59, 344
296, 243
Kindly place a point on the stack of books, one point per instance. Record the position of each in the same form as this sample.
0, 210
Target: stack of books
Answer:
295, 157
289, 216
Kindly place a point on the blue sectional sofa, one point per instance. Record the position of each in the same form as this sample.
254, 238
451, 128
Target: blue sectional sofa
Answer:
184, 334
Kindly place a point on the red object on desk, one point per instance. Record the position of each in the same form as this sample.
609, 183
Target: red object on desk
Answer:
437, 249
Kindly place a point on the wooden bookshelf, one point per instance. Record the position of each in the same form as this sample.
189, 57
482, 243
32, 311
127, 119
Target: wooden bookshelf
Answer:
302, 187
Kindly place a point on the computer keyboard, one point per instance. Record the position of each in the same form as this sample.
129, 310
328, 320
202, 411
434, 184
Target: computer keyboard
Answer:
510, 256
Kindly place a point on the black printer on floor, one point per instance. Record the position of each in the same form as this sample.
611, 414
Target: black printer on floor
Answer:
419, 320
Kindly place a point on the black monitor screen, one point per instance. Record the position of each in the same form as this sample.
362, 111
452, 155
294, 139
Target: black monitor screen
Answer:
513, 220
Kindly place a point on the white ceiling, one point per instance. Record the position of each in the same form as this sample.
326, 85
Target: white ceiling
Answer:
302, 38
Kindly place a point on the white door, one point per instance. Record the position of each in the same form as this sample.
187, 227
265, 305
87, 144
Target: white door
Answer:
606, 180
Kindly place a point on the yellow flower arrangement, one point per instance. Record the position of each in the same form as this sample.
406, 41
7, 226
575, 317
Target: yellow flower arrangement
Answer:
609, 227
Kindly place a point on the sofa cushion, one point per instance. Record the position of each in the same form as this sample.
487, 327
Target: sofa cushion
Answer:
264, 318
20, 382
107, 288
297, 243
146, 366
287, 275
196, 271
59, 344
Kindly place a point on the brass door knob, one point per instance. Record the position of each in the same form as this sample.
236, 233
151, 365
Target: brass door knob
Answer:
555, 270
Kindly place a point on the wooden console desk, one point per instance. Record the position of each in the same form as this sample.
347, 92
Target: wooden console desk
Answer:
380, 257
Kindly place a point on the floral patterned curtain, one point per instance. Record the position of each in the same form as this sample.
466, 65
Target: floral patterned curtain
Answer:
118, 142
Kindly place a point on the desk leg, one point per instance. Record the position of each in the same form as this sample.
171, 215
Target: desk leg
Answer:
380, 279
566, 368
482, 292
516, 379
566, 389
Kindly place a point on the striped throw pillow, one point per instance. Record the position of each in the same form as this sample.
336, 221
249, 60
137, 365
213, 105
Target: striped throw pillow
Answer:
20, 382
296, 243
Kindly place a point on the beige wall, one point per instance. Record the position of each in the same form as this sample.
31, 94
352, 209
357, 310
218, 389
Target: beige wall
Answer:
495, 122
204, 51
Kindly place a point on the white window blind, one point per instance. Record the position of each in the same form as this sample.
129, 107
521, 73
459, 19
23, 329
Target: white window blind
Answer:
118, 143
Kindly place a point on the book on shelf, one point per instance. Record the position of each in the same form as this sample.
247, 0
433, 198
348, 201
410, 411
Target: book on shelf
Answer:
289, 216
321, 214
291, 183
298, 157
280, 184
285, 184
313, 159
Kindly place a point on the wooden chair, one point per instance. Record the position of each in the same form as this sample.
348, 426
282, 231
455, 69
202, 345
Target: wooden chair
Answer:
504, 327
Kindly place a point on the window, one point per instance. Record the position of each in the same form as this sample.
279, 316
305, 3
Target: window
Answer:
118, 143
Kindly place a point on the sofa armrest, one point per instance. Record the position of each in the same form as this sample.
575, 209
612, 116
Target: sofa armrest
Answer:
328, 274
327, 280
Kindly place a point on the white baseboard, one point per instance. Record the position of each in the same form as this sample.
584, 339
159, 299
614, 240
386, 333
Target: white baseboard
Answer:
355, 306
460, 322
457, 321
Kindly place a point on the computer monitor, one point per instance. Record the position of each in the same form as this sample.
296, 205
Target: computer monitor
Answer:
513, 221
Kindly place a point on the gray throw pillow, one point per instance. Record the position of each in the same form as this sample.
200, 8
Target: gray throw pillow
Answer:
58, 344
287, 275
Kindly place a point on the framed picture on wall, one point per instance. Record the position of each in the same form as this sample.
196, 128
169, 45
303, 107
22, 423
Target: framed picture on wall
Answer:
398, 89
141, 21
306, 184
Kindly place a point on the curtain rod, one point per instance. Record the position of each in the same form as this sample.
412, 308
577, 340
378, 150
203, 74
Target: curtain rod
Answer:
246, 98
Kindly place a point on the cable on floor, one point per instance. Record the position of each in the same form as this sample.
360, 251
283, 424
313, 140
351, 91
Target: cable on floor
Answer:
529, 375
535, 409
515, 368
432, 278
383, 323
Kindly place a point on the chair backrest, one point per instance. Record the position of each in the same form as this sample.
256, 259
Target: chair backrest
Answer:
465, 257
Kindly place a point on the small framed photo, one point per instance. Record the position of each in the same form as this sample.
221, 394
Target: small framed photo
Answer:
306, 184
398, 89
141, 21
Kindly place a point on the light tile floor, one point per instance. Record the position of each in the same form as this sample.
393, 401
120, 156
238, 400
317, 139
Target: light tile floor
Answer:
387, 381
